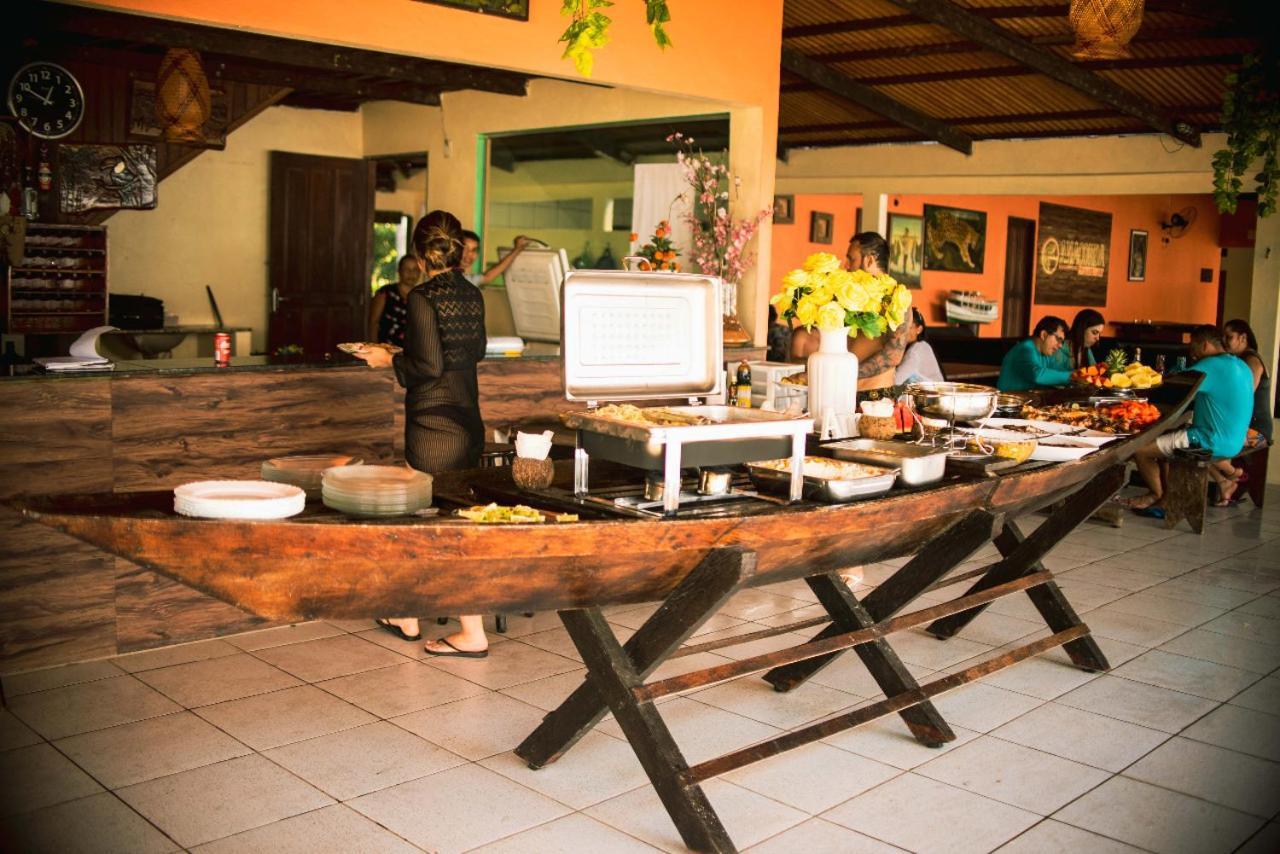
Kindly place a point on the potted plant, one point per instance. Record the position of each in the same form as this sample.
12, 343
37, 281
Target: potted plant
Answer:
1251, 120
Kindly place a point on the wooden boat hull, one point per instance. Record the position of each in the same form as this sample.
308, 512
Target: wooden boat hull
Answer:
324, 565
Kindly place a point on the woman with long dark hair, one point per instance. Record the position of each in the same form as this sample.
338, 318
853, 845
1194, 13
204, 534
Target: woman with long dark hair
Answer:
1240, 341
443, 430
1086, 330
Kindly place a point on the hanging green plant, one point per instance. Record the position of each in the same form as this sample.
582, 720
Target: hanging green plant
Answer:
589, 29
1251, 120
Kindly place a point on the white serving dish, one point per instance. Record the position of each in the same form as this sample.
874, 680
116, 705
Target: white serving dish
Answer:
239, 499
1059, 449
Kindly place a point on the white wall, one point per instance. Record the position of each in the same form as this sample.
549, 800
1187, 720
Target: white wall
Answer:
210, 226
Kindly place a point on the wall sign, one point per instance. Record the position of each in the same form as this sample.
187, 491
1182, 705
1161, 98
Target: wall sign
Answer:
1073, 251
955, 239
518, 9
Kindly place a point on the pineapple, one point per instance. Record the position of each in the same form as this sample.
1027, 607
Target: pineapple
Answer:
1116, 361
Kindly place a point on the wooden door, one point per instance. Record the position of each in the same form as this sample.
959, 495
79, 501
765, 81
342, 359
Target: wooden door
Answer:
321, 251
1019, 269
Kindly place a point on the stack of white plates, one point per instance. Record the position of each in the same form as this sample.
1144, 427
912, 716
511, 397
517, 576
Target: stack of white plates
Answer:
238, 499
304, 470
375, 490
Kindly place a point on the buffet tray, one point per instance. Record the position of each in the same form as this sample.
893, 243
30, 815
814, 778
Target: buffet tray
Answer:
918, 464
727, 422
869, 481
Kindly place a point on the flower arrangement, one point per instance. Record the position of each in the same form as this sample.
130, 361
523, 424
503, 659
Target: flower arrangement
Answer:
719, 241
823, 294
659, 253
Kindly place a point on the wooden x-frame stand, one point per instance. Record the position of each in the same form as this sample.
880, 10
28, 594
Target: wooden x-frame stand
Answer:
616, 673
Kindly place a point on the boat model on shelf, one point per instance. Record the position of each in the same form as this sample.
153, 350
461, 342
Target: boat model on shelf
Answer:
971, 307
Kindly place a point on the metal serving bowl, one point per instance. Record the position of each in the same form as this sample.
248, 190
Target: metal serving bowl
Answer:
1010, 405
953, 401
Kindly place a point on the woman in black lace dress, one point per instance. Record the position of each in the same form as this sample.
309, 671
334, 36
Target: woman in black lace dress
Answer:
444, 341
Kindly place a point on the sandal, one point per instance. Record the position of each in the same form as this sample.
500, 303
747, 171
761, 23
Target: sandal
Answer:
388, 626
455, 652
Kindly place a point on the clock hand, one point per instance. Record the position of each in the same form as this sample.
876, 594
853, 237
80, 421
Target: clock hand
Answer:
46, 100
48, 96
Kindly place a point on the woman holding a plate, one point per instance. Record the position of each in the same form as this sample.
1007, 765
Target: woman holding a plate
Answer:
444, 340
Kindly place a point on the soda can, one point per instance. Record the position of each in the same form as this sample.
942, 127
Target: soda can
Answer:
222, 349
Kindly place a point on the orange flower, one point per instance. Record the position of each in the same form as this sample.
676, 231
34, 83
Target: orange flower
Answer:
634, 237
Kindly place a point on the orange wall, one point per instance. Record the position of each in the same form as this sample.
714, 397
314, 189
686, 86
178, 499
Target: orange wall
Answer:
1172, 290
791, 242
719, 52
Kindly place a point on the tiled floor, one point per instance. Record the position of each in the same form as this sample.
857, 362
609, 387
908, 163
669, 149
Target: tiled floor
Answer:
337, 737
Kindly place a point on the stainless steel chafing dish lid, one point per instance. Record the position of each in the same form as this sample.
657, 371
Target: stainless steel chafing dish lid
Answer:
641, 336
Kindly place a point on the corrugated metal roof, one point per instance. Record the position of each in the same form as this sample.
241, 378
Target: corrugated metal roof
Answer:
1177, 63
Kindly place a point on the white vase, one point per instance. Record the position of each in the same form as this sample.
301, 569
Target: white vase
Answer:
833, 378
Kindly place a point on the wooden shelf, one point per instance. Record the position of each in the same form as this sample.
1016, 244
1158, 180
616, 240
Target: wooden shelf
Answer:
89, 290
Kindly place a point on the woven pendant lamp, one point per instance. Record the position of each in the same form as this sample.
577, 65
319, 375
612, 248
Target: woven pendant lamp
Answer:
183, 103
1104, 28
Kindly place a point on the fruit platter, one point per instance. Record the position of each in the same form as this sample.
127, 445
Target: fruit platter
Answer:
1117, 373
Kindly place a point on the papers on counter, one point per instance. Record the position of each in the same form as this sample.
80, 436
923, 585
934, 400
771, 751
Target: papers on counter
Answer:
504, 345
84, 354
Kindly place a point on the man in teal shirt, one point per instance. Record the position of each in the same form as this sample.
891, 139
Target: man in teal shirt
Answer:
1030, 364
1219, 417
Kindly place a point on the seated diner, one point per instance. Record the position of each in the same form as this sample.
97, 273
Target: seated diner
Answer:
1031, 363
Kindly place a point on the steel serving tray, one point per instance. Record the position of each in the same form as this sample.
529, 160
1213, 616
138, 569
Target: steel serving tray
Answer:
918, 464
830, 490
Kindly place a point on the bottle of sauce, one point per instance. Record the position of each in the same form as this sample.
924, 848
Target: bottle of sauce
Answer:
742, 384
1160, 363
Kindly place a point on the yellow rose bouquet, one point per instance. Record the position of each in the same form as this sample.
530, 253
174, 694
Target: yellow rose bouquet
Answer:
823, 294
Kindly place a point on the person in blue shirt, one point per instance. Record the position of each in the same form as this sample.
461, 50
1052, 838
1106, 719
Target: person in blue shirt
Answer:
1219, 417
1031, 363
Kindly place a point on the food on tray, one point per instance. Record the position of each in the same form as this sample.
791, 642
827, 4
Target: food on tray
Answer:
1137, 375
653, 416
1093, 375
801, 378
1010, 449
356, 347
1132, 415
498, 514
825, 469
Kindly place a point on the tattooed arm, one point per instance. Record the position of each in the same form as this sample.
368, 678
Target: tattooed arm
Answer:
889, 355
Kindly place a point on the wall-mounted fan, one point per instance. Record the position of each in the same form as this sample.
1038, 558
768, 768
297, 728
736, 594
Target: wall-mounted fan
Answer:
1179, 222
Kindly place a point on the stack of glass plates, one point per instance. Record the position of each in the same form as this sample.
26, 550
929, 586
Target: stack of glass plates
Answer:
238, 499
375, 490
304, 470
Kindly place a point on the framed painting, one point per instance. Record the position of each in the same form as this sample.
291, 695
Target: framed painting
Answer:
518, 9
906, 249
144, 127
784, 210
1137, 255
821, 226
106, 176
955, 239
1073, 251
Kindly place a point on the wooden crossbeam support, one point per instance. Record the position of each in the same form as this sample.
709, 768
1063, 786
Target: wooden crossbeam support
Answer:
846, 87
881, 22
964, 23
994, 119
47, 18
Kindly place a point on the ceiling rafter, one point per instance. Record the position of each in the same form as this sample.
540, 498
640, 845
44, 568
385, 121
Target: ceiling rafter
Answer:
885, 21
980, 30
852, 90
993, 119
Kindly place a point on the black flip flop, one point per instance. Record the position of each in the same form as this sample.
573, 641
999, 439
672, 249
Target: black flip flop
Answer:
457, 653
388, 626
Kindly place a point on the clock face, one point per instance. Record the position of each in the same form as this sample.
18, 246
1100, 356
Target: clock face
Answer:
46, 99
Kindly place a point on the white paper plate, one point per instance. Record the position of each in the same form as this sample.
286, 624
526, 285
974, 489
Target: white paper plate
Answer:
238, 499
1059, 449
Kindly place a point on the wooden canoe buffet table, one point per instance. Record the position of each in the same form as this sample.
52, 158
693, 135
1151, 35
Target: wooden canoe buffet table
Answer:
323, 565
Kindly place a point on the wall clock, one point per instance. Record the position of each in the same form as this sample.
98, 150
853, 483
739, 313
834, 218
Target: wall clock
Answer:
46, 99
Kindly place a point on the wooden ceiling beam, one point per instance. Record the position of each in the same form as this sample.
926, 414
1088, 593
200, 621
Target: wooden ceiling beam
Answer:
1037, 10
321, 59
864, 96
978, 29
994, 119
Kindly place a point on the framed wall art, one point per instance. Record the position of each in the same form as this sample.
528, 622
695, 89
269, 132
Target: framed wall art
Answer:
821, 226
143, 125
784, 210
518, 9
1073, 251
1137, 255
955, 239
106, 176
906, 249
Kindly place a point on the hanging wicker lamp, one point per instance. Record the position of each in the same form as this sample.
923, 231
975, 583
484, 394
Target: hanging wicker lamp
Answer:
1104, 28
183, 103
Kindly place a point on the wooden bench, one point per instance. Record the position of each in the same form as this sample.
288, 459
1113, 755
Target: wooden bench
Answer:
1186, 490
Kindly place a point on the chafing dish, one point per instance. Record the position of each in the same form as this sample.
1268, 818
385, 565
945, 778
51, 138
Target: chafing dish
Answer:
658, 337
917, 464
953, 401
830, 481
714, 481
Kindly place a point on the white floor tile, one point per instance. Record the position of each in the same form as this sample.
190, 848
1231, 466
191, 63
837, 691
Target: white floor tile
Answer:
982, 707
818, 836
81, 708
595, 769
294, 714
511, 664
813, 778
569, 835
754, 698
920, 814
1262, 696
703, 732
1138, 703
14, 733
1188, 675
1082, 736
1215, 774
337, 828
1158, 819
889, 741
58, 677
216, 680
400, 689
475, 728
1225, 649
1054, 837
1240, 729
281, 635
89, 825
329, 658
39, 776
170, 655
